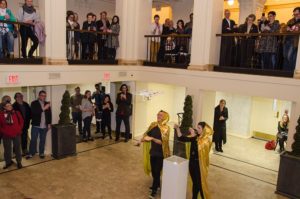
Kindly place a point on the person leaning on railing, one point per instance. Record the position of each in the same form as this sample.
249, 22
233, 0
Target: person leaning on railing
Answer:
28, 14
6, 30
268, 45
247, 44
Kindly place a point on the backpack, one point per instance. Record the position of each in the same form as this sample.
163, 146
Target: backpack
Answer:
39, 29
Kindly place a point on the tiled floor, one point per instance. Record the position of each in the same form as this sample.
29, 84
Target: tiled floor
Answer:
115, 171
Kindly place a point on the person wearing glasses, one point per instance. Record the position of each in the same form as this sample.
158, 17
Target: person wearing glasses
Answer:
41, 122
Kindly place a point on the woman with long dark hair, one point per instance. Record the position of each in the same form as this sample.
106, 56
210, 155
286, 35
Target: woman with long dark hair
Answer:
220, 118
200, 145
107, 108
87, 109
113, 39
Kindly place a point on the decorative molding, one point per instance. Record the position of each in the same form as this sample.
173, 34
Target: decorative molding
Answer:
50, 61
130, 62
207, 67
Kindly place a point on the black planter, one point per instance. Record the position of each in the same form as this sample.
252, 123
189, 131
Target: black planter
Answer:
288, 183
63, 140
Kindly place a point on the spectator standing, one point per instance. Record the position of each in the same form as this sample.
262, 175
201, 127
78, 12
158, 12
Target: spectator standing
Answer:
247, 46
290, 47
88, 39
156, 30
113, 40
98, 96
268, 45
11, 124
76, 99
87, 109
220, 118
227, 43
23, 107
107, 108
28, 15
6, 30
103, 26
189, 25
41, 116
124, 110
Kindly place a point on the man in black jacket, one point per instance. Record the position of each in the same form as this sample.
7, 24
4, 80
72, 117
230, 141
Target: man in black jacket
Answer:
41, 122
25, 110
88, 39
124, 102
227, 43
102, 26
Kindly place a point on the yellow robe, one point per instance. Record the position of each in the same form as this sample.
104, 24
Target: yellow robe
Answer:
204, 146
165, 134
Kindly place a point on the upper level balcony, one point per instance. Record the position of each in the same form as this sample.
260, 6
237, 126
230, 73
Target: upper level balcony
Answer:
187, 39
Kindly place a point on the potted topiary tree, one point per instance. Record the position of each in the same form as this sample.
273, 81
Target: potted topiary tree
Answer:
64, 133
289, 169
179, 148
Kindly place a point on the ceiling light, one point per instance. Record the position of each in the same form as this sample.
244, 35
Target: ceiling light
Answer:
230, 2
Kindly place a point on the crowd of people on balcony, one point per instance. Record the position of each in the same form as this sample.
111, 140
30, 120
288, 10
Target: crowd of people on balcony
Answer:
170, 44
274, 52
15, 120
97, 39
29, 27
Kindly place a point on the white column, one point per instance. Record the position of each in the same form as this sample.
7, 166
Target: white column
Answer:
135, 21
53, 13
294, 115
207, 23
174, 179
297, 68
250, 7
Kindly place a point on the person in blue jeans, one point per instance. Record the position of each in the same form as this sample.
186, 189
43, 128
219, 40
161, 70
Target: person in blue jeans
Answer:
41, 122
76, 112
6, 30
290, 47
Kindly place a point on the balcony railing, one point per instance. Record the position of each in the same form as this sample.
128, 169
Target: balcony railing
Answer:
272, 54
172, 50
9, 38
91, 47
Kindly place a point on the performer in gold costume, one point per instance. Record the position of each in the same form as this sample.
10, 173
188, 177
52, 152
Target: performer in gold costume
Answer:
199, 144
156, 148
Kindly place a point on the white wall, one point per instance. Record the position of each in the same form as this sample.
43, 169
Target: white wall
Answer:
171, 100
264, 116
239, 113
182, 10
82, 7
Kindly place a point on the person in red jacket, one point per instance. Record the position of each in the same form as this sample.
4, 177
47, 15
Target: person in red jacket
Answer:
11, 124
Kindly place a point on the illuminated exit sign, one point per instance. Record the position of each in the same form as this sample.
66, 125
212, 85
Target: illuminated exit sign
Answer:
12, 78
106, 76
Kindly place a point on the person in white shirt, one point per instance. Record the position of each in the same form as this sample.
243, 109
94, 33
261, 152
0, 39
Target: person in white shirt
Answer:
156, 29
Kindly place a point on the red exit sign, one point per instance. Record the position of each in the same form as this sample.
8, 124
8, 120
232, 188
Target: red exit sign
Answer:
106, 76
13, 79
